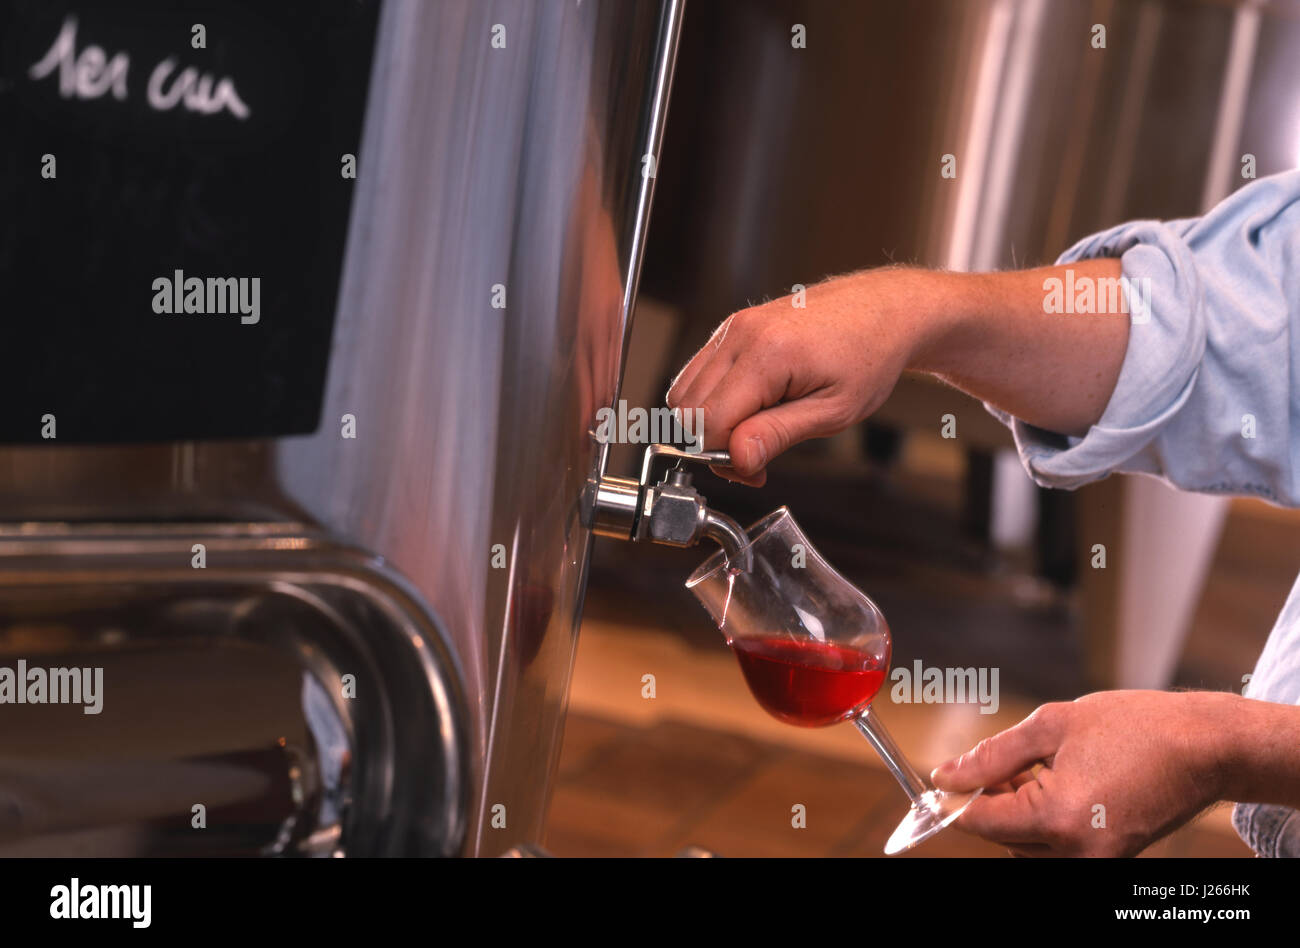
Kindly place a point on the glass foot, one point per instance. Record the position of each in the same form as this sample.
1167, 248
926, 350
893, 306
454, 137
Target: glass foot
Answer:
933, 812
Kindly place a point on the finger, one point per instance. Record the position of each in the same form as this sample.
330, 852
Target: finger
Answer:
756, 414
1003, 756
727, 391
688, 372
1033, 851
707, 380
1021, 779
1007, 818
758, 439
707, 355
751, 480
1012, 785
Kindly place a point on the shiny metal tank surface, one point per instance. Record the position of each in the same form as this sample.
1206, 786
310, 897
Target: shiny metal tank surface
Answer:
494, 250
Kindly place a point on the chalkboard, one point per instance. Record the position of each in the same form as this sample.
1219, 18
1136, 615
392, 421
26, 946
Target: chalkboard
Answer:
174, 197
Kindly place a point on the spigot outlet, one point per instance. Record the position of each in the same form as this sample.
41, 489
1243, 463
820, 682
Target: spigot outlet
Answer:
729, 535
671, 512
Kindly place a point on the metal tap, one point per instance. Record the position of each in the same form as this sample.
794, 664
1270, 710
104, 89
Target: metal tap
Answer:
669, 511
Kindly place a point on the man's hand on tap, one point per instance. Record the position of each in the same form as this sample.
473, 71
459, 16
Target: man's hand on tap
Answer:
774, 375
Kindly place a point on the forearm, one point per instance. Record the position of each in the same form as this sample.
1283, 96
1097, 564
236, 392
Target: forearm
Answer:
1256, 749
988, 334
811, 364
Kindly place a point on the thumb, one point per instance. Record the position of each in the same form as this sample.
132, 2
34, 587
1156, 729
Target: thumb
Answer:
757, 440
1003, 756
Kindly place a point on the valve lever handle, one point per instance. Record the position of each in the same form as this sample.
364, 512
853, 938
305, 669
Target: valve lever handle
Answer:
656, 451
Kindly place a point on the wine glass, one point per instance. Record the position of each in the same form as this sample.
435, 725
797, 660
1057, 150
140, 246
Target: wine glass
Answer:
814, 651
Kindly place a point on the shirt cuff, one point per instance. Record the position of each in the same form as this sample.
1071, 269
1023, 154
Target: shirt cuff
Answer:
1272, 831
1166, 344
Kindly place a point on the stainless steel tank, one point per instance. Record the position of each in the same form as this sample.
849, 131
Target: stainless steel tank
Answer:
426, 546
518, 173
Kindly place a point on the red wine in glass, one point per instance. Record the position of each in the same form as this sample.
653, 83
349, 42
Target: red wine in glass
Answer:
814, 650
806, 682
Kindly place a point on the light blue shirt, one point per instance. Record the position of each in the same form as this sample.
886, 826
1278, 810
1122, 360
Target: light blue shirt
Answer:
1221, 341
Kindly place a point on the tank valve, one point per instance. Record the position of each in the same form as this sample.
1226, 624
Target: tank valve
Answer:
669, 511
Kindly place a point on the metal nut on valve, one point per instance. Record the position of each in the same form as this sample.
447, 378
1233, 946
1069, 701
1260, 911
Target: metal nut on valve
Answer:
674, 515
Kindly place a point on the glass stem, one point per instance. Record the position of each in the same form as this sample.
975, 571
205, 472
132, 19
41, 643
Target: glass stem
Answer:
913, 784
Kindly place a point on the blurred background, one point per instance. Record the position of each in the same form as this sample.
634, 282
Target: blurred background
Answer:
785, 164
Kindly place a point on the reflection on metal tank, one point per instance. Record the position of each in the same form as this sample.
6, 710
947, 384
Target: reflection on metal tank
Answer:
804, 163
493, 256
225, 687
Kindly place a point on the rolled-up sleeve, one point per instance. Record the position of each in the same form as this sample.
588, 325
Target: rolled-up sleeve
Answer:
1206, 396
